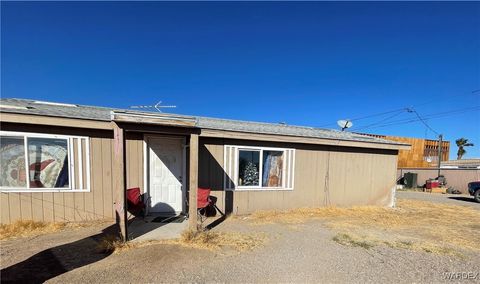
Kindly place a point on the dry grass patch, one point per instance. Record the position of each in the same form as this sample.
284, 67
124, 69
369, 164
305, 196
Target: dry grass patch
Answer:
394, 241
114, 244
348, 240
417, 225
302, 215
217, 240
429, 247
189, 238
29, 228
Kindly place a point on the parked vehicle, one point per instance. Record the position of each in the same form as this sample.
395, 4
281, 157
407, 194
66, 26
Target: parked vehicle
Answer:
474, 190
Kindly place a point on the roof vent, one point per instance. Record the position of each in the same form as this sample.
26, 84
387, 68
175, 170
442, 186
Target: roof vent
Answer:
54, 104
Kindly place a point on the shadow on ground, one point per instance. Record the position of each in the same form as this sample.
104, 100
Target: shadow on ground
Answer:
462, 198
55, 261
216, 222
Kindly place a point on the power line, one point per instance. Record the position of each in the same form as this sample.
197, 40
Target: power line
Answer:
435, 100
383, 120
429, 117
435, 115
474, 92
368, 116
378, 114
423, 121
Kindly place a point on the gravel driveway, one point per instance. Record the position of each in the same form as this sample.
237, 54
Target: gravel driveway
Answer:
454, 199
293, 253
304, 253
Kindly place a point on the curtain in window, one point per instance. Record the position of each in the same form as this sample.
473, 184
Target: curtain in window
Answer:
272, 168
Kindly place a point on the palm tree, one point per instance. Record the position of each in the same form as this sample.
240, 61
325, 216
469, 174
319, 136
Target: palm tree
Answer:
461, 143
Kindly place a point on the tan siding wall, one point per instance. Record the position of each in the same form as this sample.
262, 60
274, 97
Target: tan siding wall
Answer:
134, 153
323, 176
76, 206
66, 206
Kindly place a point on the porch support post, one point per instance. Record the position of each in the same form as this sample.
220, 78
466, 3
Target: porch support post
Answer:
193, 182
119, 179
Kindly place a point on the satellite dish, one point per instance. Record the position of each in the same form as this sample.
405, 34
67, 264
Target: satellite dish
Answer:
344, 124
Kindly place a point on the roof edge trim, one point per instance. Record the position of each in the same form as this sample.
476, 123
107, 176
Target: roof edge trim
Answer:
153, 118
242, 135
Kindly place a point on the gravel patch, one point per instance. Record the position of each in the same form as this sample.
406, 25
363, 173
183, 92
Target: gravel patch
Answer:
453, 199
303, 252
300, 253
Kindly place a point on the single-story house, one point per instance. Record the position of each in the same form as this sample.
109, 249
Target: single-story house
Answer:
68, 162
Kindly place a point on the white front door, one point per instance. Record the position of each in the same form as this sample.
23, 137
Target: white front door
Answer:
165, 174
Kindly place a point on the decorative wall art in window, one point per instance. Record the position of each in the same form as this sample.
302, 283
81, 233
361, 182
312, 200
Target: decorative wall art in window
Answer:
37, 162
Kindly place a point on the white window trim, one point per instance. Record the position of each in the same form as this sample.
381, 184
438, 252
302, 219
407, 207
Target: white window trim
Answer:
71, 162
234, 164
260, 167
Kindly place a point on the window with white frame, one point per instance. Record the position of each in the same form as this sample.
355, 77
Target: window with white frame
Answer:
37, 162
258, 168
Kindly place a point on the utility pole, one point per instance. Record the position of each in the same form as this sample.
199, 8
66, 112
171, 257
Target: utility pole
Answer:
440, 138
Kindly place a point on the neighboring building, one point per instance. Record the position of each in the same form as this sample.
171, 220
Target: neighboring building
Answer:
422, 154
461, 164
65, 162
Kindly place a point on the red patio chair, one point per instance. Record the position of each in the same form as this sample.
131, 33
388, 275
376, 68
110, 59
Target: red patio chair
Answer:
206, 205
135, 204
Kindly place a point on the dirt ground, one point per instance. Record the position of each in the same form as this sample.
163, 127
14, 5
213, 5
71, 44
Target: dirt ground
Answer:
301, 252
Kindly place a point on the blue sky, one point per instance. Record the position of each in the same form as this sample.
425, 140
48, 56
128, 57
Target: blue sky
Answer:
308, 63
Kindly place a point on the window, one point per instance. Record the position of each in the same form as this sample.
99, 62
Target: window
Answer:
42, 162
258, 168
249, 168
12, 159
48, 163
272, 174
